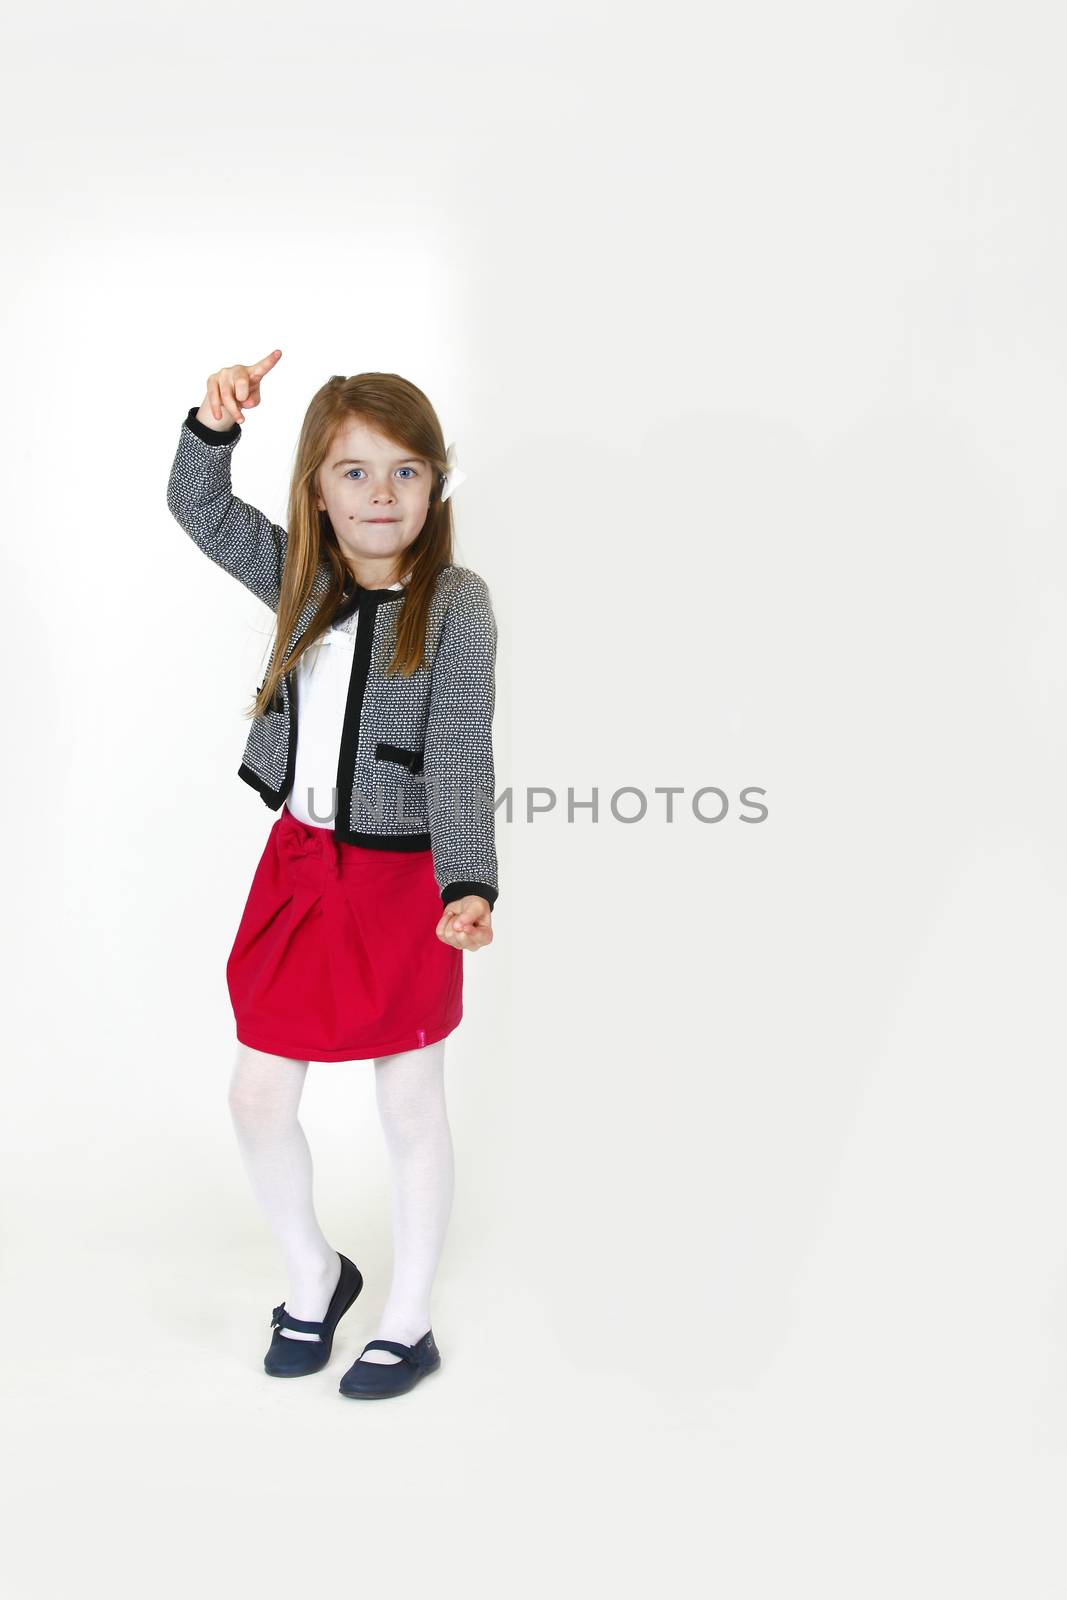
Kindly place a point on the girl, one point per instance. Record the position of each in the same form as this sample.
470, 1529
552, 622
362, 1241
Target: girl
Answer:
371, 736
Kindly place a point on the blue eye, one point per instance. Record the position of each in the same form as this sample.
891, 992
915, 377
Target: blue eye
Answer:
412, 470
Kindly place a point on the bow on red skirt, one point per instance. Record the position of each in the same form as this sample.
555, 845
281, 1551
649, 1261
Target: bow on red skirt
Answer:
299, 843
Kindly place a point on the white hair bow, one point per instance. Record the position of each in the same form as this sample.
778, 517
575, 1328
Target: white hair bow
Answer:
453, 477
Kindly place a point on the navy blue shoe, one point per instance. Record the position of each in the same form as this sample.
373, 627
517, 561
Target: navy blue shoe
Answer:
374, 1380
292, 1358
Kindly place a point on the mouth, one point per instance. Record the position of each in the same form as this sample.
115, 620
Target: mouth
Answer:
383, 519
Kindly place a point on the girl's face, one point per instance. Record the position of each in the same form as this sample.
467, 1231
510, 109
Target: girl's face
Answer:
376, 496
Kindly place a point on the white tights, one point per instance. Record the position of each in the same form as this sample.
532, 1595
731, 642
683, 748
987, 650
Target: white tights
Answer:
264, 1099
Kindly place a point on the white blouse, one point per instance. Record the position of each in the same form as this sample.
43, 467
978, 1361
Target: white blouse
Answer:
322, 678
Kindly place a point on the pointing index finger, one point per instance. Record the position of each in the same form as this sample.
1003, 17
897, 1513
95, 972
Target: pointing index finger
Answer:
264, 366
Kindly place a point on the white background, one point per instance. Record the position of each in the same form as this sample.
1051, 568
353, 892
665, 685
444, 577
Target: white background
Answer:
748, 325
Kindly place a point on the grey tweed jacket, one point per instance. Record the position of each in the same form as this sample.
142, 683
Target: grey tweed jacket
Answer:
415, 766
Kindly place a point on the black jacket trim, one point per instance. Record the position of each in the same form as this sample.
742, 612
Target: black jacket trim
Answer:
210, 435
357, 683
456, 891
412, 759
294, 710
272, 797
385, 841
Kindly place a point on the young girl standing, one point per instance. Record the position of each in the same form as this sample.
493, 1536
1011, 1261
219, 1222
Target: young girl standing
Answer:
371, 736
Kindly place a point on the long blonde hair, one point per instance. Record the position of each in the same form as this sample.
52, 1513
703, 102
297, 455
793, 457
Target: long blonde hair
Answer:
400, 411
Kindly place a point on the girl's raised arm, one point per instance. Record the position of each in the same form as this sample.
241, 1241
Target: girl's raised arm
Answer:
240, 539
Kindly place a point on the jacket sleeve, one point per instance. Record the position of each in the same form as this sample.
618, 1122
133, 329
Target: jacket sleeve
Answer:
235, 535
458, 753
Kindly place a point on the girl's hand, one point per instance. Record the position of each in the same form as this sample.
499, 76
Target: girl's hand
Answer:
467, 923
232, 390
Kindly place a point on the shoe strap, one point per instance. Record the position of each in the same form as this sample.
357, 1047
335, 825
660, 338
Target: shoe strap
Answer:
405, 1351
280, 1318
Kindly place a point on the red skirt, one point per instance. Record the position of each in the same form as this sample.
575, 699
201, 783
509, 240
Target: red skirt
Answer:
336, 957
